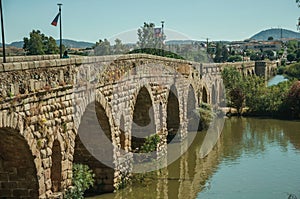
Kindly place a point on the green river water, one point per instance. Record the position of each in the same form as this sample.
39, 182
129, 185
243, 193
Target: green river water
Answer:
254, 158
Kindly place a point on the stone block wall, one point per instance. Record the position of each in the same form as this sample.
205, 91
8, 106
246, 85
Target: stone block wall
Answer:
44, 102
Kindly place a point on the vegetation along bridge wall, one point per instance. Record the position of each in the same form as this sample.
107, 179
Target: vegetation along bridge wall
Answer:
48, 109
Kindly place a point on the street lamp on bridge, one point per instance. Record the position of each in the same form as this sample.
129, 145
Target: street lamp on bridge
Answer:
2, 29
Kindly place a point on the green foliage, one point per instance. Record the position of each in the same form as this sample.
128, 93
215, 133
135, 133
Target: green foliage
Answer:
255, 56
293, 70
252, 92
292, 46
265, 100
147, 38
83, 178
222, 53
293, 99
150, 144
234, 84
237, 97
102, 48
235, 58
291, 57
39, 44
118, 48
158, 52
206, 115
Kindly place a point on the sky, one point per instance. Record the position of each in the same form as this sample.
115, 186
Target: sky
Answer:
91, 20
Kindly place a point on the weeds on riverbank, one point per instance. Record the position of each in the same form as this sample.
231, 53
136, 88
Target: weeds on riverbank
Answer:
250, 92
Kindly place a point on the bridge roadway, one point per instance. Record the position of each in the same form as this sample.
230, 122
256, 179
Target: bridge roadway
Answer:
48, 109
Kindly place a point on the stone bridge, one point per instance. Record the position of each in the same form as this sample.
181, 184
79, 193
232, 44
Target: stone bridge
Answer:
48, 109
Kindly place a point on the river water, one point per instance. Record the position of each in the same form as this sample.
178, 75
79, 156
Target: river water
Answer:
254, 158
276, 79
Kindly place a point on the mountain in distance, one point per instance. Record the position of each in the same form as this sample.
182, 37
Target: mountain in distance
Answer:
76, 44
179, 42
276, 33
67, 42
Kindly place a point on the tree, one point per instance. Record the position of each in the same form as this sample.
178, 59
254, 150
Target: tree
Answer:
51, 46
291, 57
218, 54
235, 89
34, 45
225, 53
222, 53
235, 58
293, 99
270, 38
102, 48
148, 38
118, 47
39, 44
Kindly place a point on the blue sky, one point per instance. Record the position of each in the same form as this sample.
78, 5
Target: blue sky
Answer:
91, 20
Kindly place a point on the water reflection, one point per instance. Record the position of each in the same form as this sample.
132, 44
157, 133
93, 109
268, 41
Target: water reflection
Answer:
254, 147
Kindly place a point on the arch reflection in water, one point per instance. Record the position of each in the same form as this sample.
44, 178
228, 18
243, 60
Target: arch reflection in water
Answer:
254, 158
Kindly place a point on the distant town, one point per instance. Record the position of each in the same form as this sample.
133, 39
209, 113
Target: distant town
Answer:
269, 44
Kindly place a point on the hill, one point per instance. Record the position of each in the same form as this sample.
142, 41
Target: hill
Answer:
76, 44
67, 42
276, 33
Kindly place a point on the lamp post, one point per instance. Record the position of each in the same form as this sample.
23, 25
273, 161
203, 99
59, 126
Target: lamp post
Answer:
162, 28
60, 30
162, 37
2, 28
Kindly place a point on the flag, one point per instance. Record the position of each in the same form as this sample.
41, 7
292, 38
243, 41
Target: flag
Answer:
157, 32
55, 20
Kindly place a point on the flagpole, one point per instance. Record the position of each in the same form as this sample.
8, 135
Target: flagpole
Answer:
2, 28
60, 31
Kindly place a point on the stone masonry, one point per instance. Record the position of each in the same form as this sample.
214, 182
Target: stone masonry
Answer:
47, 108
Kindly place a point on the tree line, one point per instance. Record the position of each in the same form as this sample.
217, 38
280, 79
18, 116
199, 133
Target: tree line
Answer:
251, 94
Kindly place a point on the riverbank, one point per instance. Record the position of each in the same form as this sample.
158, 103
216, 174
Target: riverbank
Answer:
232, 112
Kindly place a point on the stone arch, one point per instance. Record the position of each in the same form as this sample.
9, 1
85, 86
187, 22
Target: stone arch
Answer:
213, 95
204, 95
143, 122
173, 119
56, 169
222, 98
95, 140
18, 170
190, 109
248, 73
122, 133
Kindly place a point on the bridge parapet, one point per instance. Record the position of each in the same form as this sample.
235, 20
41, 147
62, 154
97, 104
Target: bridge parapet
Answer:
29, 58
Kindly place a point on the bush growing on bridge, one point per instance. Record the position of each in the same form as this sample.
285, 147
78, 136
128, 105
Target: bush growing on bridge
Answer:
205, 116
150, 144
158, 52
83, 178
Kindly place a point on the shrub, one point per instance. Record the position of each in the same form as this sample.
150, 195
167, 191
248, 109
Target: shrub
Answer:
83, 178
150, 144
206, 115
